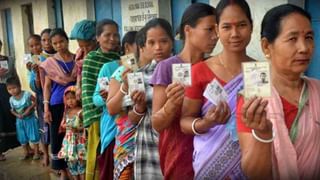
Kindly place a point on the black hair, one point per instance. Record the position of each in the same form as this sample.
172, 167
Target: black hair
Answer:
104, 22
47, 30
271, 23
60, 32
164, 24
140, 40
14, 80
35, 37
241, 3
128, 38
192, 14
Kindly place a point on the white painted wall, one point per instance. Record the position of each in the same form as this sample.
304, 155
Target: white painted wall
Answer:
258, 9
73, 11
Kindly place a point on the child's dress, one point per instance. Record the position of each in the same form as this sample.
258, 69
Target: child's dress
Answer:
27, 127
73, 146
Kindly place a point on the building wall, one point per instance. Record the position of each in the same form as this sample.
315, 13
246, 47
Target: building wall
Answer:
73, 11
42, 12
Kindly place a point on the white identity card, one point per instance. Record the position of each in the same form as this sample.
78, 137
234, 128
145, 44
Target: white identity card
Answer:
215, 92
181, 73
27, 58
136, 82
130, 61
4, 64
104, 83
257, 81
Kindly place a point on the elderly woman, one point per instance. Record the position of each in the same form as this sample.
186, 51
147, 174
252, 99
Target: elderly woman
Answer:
279, 136
85, 33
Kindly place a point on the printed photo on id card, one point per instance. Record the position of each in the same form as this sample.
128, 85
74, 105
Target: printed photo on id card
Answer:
257, 80
181, 73
215, 92
136, 82
130, 61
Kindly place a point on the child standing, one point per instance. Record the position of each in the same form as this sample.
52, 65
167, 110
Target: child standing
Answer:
34, 45
73, 146
22, 106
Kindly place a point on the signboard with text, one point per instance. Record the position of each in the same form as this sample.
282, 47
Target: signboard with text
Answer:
135, 14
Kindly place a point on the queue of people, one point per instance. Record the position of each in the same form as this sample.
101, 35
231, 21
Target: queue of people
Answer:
168, 131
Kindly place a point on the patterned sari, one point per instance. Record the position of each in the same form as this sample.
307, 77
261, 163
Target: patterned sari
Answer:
217, 152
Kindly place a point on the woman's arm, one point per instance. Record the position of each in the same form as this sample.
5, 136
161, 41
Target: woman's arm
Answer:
167, 103
191, 111
115, 96
256, 160
78, 85
37, 79
139, 107
46, 99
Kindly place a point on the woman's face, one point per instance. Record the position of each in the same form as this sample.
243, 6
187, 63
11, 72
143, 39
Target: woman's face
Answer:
87, 45
203, 36
45, 42
34, 46
159, 43
234, 29
60, 43
109, 38
292, 50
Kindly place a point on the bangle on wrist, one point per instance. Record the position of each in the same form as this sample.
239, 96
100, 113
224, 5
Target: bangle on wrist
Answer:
193, 126
136, 112
45, 102
123, 91
263, 140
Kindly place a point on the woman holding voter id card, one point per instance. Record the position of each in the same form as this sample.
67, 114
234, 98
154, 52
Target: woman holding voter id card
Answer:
209, 106
157, 44
197, 31
279, 135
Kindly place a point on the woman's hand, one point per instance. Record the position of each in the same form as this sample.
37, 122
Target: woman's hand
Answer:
47, 117
78, 94
139, 100
218, 115
35, 67
254, 115
124, 77
175, 94
29, 66
104, 94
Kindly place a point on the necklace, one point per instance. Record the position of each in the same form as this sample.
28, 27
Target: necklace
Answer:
221, 62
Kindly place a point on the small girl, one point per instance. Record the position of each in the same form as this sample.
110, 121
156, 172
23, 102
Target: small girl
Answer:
73, 146
22, 106
34, 44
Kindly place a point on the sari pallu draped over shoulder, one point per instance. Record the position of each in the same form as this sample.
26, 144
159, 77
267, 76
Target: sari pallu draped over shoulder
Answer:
52, 69
217, 152
299, 159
